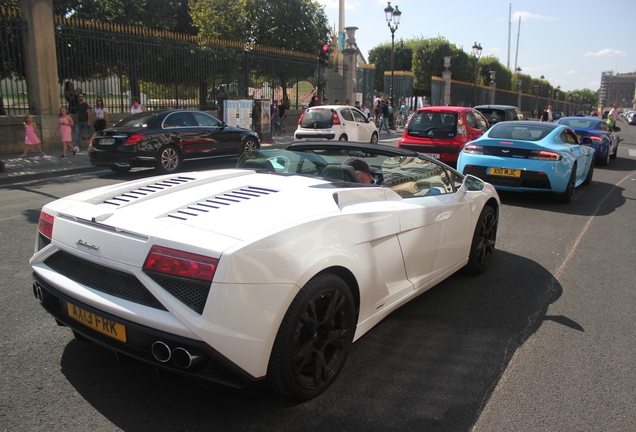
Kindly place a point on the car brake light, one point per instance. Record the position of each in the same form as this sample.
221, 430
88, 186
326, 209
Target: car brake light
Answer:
182, 264
45, 225
300, 119
473, 149
134, 139
336, 120
544, 155
596, 138
461, 128
90, 142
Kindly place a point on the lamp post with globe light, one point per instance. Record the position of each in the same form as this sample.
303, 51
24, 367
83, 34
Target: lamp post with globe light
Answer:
393, 21
477, 54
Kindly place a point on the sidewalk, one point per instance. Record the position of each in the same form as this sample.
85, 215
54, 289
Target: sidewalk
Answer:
34, 167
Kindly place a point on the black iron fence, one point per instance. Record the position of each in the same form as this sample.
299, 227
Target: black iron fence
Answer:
163, 69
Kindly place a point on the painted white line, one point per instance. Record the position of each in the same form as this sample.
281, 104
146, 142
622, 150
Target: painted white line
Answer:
632, 152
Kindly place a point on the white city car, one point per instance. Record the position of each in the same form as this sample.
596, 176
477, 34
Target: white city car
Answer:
336, 122
266, 272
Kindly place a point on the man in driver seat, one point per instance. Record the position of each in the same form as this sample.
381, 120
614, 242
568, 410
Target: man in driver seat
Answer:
362, 169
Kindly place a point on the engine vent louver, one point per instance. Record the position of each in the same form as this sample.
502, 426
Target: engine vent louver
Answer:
147, 190
221, 201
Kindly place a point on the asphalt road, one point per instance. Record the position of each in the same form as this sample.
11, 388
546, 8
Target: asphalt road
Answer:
545, 340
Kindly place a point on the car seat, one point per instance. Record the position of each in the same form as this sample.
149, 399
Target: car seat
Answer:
340, 172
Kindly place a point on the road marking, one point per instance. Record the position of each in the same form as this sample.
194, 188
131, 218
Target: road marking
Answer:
632, 152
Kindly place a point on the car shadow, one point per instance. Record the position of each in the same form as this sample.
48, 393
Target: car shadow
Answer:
431, 365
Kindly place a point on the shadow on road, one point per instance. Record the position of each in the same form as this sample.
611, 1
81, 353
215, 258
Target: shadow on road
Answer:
431, 365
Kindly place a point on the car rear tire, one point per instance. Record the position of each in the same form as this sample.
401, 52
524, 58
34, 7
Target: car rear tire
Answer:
590, 174
374, 138
169, 159
566, 196
251, 144
343, 138
613, 155
119, 170
314, 339
482, 247
605, 160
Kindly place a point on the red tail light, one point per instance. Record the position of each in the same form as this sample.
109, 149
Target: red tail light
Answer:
181, 264
301, 117
473, 149
45, 225
134, 139
596, 138
90, 142
544, 155
336, 120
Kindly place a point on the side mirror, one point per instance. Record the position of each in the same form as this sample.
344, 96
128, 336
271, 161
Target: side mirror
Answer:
472, 184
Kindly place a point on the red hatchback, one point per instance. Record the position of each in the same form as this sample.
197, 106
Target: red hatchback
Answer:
442, 131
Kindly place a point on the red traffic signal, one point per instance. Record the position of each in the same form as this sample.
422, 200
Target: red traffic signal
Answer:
323, 56
325, 48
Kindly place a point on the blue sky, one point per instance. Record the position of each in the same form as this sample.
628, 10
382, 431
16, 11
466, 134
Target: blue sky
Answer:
570, 42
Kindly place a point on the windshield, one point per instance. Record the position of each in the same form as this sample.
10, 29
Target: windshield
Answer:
409, 176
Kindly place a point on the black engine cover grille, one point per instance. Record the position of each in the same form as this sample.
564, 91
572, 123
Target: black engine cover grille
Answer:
104, 279
191, 293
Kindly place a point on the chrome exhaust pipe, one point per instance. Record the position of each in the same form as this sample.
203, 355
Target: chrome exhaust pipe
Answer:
183, 359
37, 292
161, 352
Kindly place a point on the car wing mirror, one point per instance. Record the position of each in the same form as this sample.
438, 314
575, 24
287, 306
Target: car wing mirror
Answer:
472, 184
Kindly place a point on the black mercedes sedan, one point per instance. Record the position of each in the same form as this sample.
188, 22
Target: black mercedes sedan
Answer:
165, 139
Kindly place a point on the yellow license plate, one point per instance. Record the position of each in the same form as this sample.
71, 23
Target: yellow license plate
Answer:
505, 172
96, 322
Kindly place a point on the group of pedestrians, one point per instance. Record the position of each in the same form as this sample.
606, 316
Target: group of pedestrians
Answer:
86, 117
382, 110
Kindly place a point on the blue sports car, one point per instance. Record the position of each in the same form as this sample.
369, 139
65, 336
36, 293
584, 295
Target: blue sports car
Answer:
604, 139
525, 156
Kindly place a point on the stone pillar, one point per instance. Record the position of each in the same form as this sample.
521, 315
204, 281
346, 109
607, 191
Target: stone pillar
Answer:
446, 74
350, 61
41, 63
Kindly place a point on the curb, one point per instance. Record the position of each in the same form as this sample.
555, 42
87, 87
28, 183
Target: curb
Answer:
18, 178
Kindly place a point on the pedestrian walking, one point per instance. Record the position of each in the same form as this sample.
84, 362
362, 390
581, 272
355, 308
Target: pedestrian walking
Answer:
83, 115
612, 116
547, 115
64, 127
385, 117
273, 126
71, 97
136, 107
282, 113
99, 117
31, 136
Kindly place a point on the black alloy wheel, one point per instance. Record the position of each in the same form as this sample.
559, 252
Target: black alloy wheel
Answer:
482, 247
566, 196
169, 159
314, 339
590, 174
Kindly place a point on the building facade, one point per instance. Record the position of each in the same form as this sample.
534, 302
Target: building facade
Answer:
618, 88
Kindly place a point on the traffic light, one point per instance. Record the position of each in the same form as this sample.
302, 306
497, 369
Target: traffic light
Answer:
536, 89
323, 56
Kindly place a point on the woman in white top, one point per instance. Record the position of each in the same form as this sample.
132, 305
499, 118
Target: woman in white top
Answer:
136, 106
99, 115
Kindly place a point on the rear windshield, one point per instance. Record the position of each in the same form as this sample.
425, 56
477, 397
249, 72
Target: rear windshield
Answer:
493, 115
318, 118
578, 123
434, 124
136, 120
531, 132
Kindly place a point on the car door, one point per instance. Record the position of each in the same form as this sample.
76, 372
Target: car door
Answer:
435, 225
185, 132
365, 127
220, 139
349, 124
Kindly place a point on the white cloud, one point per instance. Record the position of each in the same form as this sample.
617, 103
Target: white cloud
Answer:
607, 52
526, 16
571, 72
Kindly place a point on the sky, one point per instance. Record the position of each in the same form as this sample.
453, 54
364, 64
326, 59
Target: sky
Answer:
570, 42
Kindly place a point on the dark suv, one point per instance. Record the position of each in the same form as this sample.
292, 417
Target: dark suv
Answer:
496, 113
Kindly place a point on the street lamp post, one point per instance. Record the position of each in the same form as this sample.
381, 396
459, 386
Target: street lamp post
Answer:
393, 21
477, 54
493, 85
558, 92
518, 71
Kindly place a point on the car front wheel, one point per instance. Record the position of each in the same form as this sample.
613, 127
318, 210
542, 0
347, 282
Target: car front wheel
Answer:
482, 247
251, 144
590, 174
314, 339
169, 159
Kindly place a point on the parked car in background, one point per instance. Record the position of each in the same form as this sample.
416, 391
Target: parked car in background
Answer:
442, 131
557, 115
166, 139
336, 122
496, 113
530, 157
604, 140
267, 272
631, 119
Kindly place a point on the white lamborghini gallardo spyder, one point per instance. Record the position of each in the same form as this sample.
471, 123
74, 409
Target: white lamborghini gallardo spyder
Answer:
263, 273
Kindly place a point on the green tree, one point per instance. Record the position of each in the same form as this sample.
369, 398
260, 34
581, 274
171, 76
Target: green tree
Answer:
220, 19
380, 56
